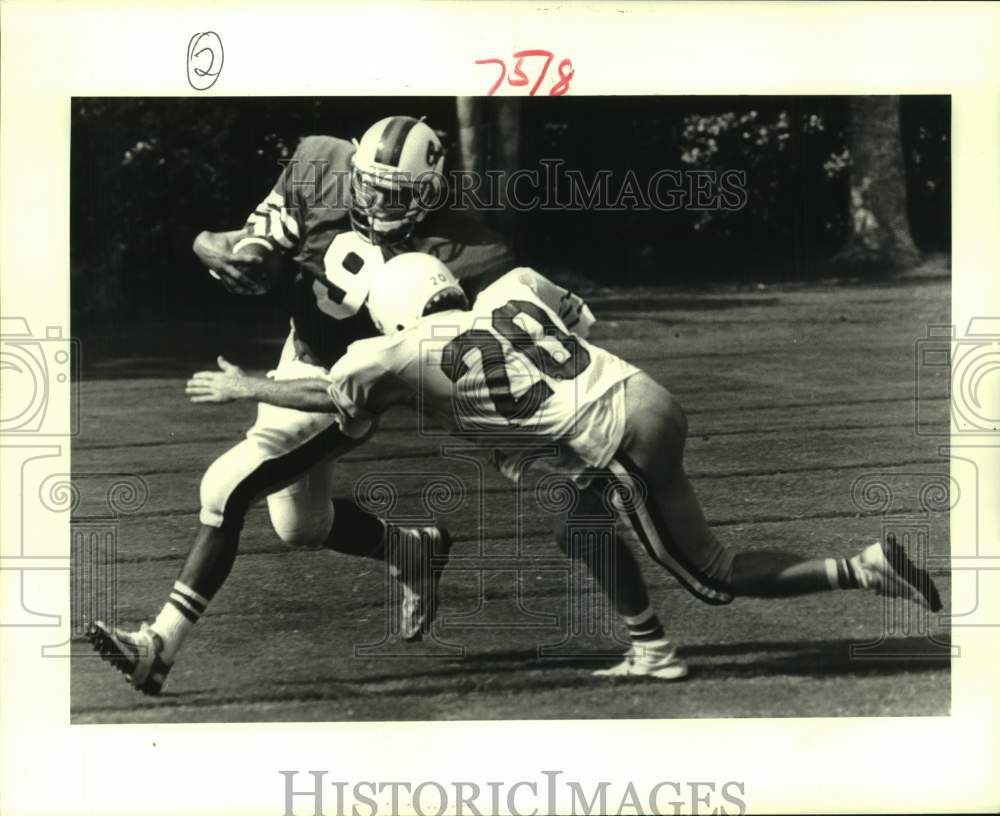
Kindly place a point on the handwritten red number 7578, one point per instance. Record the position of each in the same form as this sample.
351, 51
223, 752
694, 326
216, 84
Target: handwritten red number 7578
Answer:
518, 78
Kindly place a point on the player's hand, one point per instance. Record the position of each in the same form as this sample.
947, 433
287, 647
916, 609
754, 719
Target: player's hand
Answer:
212, 249
229, 383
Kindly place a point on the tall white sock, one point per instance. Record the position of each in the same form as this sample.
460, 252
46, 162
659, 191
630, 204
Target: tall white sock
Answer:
181, 611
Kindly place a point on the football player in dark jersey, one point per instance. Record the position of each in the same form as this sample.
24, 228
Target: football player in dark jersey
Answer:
338, 211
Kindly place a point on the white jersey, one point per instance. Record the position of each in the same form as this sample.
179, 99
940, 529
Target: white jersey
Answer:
514, 372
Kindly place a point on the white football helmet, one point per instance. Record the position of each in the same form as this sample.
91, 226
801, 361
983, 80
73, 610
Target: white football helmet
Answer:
395, 176
410, 286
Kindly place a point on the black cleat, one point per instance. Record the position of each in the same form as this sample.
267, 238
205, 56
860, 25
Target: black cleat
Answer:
418, 556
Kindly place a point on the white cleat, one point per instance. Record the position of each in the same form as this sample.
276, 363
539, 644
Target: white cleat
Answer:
659, 661
137, 655
889, 571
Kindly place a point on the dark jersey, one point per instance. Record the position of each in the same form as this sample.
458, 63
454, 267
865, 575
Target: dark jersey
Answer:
307, 215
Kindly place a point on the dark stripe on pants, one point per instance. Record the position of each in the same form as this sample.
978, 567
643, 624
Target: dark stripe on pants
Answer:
273, 474
663, 533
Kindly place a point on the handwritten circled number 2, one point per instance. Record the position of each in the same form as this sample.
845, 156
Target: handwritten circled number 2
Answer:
204, 60
519, 79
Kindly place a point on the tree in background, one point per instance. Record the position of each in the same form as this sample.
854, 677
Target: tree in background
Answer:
489, 137
878, 228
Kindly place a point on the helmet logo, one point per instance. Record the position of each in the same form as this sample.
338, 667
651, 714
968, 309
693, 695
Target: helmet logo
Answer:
352, 263
434, 152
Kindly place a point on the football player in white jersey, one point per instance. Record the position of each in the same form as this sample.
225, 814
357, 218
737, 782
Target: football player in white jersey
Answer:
517, 362
337, 212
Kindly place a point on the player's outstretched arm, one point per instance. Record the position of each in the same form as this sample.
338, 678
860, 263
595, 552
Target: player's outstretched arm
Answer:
215, 251
231, 383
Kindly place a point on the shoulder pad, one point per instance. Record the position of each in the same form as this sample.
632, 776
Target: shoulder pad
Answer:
336, 151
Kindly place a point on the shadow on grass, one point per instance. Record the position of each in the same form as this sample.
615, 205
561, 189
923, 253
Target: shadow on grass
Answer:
491, 670
521, 671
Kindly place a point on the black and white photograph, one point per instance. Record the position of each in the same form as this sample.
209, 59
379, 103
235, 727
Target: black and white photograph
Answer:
499, 408
485, 408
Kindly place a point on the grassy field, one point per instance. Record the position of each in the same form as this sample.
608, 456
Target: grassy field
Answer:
792, 394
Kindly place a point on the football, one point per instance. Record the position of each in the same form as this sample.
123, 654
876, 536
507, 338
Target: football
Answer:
263, 276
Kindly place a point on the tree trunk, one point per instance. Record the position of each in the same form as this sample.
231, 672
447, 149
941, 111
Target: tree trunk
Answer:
506, 155
489, 134
470, 132
879, 233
